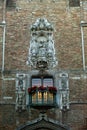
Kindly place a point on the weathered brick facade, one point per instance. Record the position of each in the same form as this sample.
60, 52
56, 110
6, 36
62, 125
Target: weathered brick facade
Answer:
68, 44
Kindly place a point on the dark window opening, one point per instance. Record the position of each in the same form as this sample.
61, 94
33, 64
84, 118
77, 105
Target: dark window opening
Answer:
74, 3
11, 3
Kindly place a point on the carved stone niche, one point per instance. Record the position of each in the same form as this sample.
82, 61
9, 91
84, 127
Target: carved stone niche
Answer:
42, 51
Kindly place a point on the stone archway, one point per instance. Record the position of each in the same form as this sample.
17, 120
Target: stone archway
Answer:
43, 123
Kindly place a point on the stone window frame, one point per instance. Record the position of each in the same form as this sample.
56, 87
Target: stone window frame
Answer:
54, 96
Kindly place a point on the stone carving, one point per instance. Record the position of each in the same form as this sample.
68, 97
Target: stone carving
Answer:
41, 51
64, 91
20, 92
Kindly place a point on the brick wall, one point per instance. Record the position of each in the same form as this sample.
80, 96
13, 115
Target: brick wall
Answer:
67, 37
64, 20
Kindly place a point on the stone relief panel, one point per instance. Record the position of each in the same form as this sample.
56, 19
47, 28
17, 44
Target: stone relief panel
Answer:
42, 51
